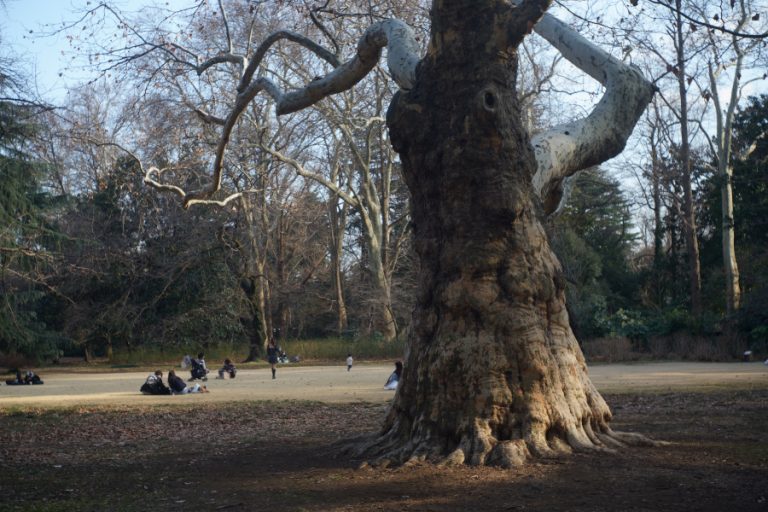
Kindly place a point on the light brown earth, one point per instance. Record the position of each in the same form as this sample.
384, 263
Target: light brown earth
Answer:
333, 384
90, 442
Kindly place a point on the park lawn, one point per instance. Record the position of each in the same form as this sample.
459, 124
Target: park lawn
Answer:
287, 456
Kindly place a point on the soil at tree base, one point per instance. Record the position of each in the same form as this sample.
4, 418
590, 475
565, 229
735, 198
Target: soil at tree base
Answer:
285, 456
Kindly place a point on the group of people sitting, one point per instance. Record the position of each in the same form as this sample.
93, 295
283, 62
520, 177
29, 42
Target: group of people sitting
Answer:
176, 386
29, 377
199, 370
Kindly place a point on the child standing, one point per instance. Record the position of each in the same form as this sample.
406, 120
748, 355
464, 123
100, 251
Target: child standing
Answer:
349, 361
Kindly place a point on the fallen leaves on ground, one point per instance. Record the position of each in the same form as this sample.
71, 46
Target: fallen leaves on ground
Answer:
57, 437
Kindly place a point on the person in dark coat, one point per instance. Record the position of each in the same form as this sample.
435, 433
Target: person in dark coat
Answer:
179, 387
272, 354
228, 368
154, 385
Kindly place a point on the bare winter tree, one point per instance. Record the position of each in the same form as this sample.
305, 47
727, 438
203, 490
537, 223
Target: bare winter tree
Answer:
732, 56
717, 52
494, 374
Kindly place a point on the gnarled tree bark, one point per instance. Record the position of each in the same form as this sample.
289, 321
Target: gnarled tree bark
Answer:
494, 374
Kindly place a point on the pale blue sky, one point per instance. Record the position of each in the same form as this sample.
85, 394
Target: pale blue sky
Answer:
47, 61
40, 58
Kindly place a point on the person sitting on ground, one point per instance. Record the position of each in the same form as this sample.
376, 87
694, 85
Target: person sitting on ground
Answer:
229, 369
18, 380
154, 385
29, 377
394, 379
179, 387
32, 378
199, 369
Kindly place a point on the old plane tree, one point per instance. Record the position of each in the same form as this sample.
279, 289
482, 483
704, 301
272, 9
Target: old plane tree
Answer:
494, 374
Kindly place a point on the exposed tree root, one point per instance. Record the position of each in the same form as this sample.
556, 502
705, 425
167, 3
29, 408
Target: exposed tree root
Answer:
482, 448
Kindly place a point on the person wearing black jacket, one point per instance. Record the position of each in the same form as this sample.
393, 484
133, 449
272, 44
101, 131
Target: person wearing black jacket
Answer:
154, 385
272, 352
179, 387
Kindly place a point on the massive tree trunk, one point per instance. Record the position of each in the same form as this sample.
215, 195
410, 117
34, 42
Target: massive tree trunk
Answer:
494, 374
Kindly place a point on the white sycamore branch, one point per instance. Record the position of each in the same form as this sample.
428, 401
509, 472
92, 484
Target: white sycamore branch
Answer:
566, 149
560, 152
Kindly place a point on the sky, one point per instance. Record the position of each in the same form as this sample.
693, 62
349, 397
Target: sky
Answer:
21, 23
47, 59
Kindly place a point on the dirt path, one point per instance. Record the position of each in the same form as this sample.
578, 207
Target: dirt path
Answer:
333, 384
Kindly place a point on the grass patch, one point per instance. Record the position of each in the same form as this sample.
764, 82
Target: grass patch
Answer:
308, 350
336, 349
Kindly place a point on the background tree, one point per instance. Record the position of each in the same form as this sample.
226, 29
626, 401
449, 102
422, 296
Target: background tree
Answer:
730, 56
28, 239
750, 183
594, 239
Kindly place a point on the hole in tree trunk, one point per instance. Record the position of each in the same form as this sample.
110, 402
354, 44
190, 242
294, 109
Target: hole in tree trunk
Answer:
489, 100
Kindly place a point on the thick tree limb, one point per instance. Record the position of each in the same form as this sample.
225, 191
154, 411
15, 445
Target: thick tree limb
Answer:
403, 56
568, 148
273, 38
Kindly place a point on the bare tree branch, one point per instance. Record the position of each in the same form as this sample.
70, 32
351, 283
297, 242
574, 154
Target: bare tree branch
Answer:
402, 57
721, 28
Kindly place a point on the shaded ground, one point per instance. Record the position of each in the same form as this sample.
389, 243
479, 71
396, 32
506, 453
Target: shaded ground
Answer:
284, 456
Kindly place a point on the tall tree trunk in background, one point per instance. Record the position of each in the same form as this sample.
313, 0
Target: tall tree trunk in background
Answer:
87, 354
255, 325
110, 349
659, 270
383, 322
689, 214
252, 284
281, 311
724, 115
338, 219
494, 374
732, 287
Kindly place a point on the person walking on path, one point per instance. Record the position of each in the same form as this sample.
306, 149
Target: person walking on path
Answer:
349, 361
272, 356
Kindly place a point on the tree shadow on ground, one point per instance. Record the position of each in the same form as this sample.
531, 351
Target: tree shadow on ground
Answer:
288, 460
